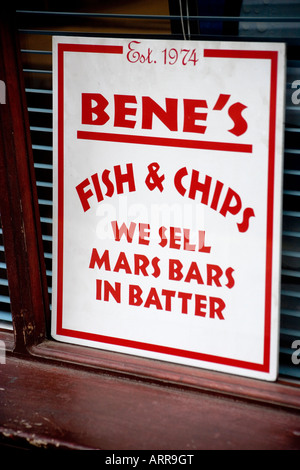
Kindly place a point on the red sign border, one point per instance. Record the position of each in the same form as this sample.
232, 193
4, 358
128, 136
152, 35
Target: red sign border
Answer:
60, 330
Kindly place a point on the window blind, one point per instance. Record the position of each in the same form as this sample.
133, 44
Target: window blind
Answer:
5, 314
253, 20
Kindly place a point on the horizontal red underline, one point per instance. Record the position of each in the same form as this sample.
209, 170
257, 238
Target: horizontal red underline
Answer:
164, 141
90, 48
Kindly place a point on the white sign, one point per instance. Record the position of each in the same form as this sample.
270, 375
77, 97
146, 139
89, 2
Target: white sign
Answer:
167, 200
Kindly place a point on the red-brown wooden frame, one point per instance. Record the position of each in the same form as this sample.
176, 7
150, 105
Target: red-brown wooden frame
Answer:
30, 343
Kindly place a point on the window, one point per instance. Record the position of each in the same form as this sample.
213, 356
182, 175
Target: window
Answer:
26, 234
5, 315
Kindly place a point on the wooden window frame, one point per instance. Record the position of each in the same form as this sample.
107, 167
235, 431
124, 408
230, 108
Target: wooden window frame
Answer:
30, 339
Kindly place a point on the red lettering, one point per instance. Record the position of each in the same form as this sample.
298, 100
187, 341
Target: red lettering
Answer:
84, 195
216, 307
175, 267
214, 273
153, 299
235, 113
177, 180
125, 107
232, 203
244, 225
163, 239
191, 116
221, 102
109, 290
122, 263
98, 289
135, 295
175, 236
230, 278
168, 117
202, 248
96, 183
168, 294
194, 273
200, 304
123, 230
121, 111
184, 296
122, 178
144, 230
141, 264
109, 185
186, 241
94, 114
156, 268
216, 196
204, 188
96, 260
231, 197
